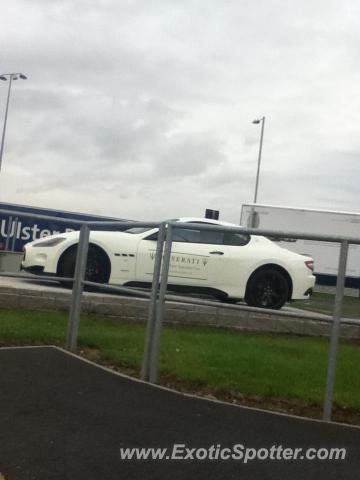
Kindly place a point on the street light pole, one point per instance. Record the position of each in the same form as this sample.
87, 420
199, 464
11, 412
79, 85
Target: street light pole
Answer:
257, 121
253, 217
12, 76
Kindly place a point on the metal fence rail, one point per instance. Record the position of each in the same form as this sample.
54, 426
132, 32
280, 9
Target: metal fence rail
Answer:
158, 296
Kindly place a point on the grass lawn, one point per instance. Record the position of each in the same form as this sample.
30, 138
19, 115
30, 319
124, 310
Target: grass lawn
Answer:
269, 366
324, 303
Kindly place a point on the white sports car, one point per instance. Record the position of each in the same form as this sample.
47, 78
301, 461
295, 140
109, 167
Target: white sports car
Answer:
230, 266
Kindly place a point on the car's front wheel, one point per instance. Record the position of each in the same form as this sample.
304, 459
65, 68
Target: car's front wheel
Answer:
267, 288
97, 267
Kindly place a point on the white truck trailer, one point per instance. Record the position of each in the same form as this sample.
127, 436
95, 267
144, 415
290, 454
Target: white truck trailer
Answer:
325, 222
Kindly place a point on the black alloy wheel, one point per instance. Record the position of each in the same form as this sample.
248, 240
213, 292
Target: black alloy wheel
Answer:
267, 288
97, 267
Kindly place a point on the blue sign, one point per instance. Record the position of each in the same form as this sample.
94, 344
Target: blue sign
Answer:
16, 230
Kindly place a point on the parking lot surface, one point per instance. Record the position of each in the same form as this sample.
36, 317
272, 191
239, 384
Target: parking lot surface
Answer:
64, 418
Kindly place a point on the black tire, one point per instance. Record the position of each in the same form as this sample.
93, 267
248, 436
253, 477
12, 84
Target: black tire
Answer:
267, 288
97, 267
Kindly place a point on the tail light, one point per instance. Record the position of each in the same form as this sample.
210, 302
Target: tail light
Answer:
310, 264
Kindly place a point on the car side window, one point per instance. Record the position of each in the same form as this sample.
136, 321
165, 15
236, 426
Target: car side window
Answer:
187, 236
179, 235
205, 237
211, 237
198, 236
236, 239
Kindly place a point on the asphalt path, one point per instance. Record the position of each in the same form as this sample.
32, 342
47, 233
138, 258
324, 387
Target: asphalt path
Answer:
64, 418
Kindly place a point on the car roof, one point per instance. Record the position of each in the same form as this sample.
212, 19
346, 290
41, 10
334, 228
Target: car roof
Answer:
206, 220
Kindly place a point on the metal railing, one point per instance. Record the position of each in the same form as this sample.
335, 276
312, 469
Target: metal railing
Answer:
158, 295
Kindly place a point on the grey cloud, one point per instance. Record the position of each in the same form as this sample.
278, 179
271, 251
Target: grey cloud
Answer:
137, 101
189, 155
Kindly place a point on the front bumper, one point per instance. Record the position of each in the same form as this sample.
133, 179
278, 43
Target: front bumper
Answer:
36, 269
39, 261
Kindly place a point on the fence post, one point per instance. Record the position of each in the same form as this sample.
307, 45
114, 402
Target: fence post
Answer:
8, 233
335, 332
79, 276
155, 350
13, 240
145, 371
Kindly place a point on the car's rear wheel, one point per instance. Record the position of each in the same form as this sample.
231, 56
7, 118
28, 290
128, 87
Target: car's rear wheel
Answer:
267, 288
97, 267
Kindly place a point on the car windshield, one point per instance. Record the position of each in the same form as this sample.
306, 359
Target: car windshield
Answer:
136, 230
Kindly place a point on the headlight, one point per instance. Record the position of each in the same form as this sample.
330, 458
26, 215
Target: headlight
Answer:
50, 243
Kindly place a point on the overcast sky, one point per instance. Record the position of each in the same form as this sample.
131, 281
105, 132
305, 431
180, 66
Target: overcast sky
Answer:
143, 109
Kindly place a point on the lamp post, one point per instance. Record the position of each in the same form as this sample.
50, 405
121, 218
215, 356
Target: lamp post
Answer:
5, 77
252, 221
257, 121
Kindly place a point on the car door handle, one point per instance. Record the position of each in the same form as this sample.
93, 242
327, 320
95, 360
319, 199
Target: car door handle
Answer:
217, 252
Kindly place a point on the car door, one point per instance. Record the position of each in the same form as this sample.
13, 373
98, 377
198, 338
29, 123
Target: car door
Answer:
198, 258
241, 259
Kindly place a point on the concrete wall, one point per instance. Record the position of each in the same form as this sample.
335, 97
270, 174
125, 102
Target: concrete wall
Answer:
10, 261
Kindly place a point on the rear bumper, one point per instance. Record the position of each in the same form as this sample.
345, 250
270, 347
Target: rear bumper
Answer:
303, 288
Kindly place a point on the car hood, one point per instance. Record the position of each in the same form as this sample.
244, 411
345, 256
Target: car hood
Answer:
74, 235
